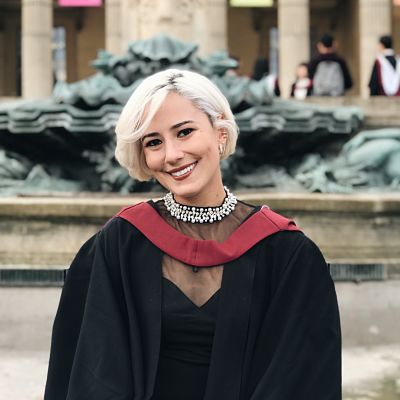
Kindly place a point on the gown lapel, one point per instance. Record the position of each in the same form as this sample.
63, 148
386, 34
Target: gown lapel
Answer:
224, 378
143, 290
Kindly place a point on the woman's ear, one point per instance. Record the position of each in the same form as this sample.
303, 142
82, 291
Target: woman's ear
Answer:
222, 135
222, 138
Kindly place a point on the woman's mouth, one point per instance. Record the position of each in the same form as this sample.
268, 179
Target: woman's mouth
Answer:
183, 172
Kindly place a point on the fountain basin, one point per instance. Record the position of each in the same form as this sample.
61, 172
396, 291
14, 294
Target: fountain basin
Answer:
349, 228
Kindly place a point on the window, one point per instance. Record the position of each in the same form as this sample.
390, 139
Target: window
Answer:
59, 54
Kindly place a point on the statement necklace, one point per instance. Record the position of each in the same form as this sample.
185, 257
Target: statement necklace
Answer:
200, 214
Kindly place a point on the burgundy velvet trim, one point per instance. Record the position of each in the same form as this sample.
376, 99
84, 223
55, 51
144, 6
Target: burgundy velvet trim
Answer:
205, 253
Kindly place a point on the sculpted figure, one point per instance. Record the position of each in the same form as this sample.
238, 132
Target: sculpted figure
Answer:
369, 161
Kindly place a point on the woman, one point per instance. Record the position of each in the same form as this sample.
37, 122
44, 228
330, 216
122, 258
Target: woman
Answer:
198, 295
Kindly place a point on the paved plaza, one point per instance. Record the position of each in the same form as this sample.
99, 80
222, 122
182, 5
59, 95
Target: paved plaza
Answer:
26, 317
23, 373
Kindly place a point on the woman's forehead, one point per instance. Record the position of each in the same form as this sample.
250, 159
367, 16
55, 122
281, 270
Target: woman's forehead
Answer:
174, 109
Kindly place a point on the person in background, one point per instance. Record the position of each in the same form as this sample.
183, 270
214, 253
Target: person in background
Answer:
385, 76
261, 70
328, 70
302, 86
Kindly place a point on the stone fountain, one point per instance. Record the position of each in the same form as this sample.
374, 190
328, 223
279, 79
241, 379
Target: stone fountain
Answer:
66, 142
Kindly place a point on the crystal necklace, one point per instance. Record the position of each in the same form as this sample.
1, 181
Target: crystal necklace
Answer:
200, 214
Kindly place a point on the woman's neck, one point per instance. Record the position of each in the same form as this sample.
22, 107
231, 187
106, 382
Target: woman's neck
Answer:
209, 199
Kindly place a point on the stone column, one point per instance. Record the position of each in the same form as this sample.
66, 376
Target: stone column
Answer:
130, 22
37, 30
113, 9
2, 62
374, 21
294, 38
210, 25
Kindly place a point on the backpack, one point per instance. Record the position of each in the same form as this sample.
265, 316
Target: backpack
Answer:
328, 79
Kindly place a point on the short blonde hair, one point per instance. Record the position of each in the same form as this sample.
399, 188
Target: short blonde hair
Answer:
149, 96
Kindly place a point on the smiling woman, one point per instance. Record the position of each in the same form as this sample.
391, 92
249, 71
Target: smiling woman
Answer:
196, 296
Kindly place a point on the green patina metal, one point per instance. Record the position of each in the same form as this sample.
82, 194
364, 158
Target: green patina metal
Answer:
70, 135
369, 161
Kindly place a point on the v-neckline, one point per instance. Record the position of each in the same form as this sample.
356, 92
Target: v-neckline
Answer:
186, 297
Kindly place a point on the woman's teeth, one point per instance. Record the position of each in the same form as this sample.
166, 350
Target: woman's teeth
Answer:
183, 171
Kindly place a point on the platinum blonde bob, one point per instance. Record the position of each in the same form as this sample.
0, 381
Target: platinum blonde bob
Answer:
145, 101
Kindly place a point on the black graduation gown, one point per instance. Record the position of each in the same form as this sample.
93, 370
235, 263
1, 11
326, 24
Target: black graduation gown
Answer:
277, 333
375, 81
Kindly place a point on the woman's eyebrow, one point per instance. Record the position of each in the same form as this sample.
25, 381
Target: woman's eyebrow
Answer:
179, 124
175, 126
151, 134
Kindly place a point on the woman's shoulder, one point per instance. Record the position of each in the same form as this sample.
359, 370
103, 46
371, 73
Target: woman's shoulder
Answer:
127, 218
286, 232
292, 239
263, 218
294, 247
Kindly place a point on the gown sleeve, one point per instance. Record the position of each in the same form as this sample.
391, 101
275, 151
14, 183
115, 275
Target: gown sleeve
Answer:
374, 81
89, 330
302, 350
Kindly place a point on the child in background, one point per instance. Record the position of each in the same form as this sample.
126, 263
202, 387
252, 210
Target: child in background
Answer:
302, 87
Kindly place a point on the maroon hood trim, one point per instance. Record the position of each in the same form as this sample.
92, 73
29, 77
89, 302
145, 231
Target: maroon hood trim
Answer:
205, 253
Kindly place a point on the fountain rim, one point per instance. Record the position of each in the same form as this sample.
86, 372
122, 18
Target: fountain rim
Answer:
100, 206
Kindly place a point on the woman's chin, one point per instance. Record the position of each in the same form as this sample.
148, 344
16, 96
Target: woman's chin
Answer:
185, 196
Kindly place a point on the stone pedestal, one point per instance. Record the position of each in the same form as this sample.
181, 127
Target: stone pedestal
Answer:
40, 232
294, 28
113, 26
37, 29
374, 21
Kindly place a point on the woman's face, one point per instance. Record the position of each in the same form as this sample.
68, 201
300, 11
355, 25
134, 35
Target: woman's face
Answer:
181, 151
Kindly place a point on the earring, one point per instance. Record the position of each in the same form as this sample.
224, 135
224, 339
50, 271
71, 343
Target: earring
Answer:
221, 149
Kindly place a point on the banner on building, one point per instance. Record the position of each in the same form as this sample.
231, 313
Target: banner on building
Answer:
251, 3
80, 3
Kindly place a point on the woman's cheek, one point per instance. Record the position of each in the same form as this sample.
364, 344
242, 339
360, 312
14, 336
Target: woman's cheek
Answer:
147, 159
152, 160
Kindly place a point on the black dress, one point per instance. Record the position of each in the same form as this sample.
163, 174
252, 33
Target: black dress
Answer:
186, 343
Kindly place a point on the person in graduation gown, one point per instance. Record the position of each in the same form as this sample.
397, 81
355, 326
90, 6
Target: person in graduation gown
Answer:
197, 296
385, 75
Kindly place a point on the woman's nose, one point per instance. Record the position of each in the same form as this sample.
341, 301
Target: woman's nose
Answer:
173, 152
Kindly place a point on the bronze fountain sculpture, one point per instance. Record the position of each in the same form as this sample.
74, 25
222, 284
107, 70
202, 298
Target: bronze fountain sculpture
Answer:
65, 142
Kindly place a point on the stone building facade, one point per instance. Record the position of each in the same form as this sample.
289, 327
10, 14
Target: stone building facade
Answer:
27, 45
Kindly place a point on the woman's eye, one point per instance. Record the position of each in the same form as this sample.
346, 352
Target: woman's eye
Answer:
185, 132
152, 143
